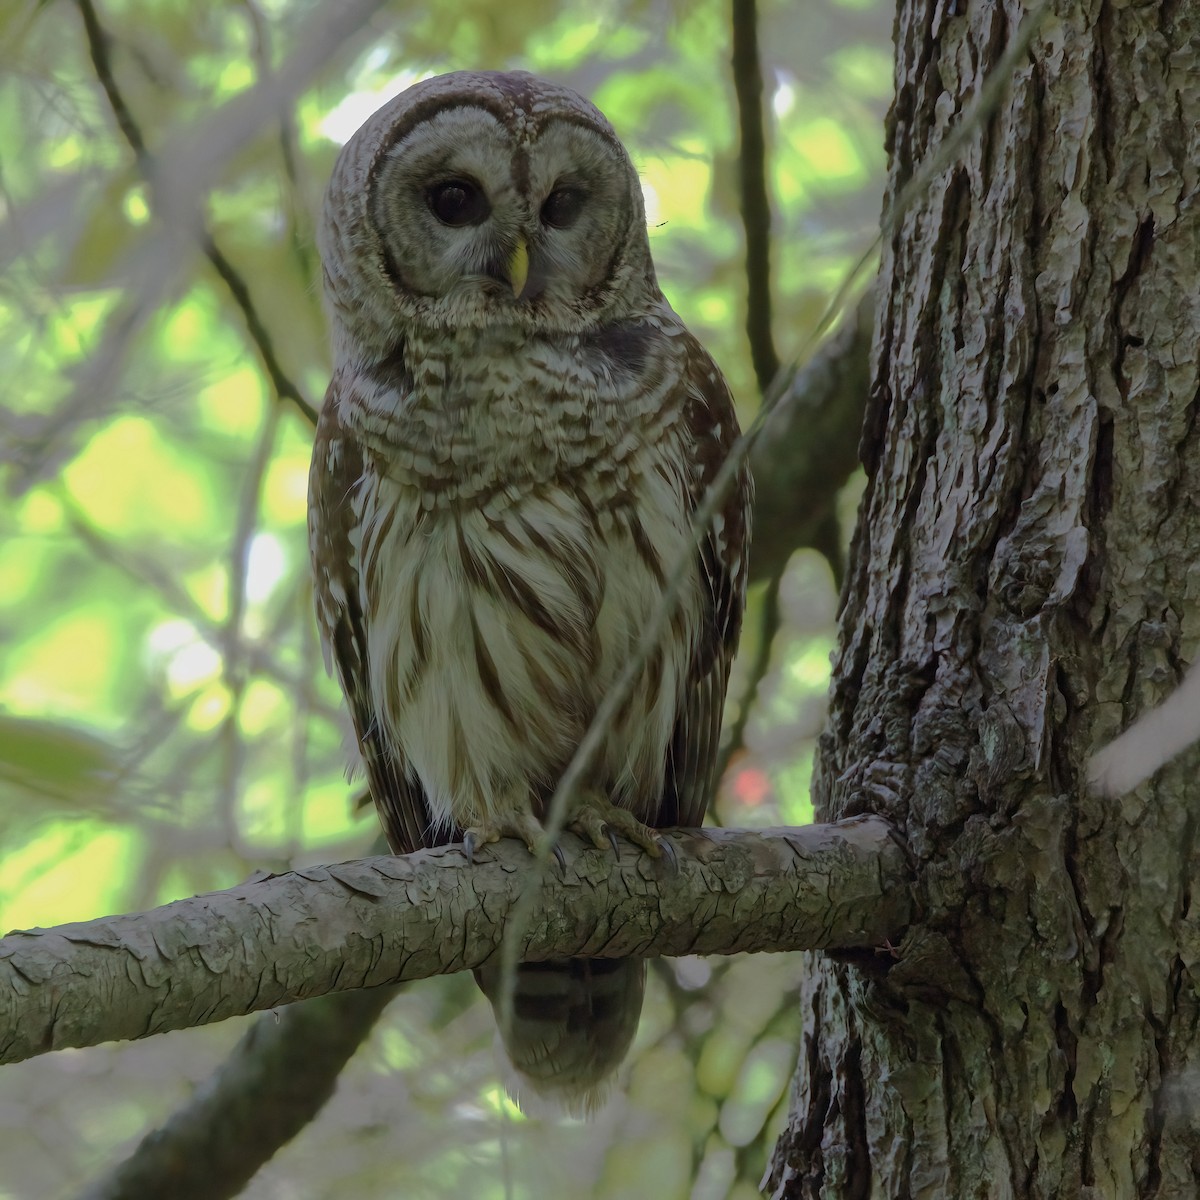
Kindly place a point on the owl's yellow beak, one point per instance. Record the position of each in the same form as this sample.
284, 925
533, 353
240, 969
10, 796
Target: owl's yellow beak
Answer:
518, 268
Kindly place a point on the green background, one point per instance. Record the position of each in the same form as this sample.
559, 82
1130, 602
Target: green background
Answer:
166, 725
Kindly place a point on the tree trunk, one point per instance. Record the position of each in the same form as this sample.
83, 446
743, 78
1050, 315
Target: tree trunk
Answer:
1024, 581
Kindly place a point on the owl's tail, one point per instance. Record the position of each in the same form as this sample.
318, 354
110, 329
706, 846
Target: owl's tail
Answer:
572, 1022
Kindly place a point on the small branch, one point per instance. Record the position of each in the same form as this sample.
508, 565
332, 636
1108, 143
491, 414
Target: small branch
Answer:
285, 388
277, 1079
1150, 742
385, 920
98, 46
809, 446
752, 182
99, 42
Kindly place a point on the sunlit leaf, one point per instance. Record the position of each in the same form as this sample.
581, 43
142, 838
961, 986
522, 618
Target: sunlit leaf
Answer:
46, 759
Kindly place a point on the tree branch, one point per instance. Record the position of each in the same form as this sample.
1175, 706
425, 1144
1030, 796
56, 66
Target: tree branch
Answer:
384, 920
235, 282
98, 47
99, 42
271, 1086
752, 183
809, 446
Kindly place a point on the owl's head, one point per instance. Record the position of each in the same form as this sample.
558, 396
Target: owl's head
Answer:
482, 199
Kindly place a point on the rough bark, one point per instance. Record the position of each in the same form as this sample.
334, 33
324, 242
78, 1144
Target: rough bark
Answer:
1025, 580
385, 920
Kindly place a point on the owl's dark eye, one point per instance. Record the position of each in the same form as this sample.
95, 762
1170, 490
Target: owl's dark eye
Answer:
562, 207
458, 202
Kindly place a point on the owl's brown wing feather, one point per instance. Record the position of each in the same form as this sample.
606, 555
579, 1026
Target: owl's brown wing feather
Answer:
337, 471
712, 427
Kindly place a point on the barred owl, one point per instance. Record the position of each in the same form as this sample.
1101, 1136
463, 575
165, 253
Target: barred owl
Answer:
517, 434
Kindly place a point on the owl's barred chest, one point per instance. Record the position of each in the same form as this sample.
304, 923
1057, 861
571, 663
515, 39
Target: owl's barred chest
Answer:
483, 416
512, 553
494, 633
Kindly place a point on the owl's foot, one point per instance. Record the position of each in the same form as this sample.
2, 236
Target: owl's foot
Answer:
517, 824
598, 820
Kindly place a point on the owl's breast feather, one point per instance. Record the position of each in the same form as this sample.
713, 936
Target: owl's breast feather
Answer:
502, 626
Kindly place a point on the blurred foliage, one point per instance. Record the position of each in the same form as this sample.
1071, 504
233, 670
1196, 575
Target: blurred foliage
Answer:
166, 726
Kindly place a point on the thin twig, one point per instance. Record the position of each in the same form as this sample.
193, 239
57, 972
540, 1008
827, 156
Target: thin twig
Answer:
768, 627
98, 41
232, 657
752, 183
98, 47
147, 573
289, 149
281, 382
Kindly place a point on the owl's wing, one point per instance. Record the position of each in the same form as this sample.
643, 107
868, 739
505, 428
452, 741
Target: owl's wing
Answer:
712, 429
336, 475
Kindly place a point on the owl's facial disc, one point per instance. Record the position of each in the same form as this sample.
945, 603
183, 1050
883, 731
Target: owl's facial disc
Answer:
485, 224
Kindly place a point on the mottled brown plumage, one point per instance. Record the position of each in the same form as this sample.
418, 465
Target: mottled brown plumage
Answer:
515, 439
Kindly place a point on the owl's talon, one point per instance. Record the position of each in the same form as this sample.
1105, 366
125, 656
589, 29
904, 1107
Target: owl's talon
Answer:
590, 824
560, 858
668, 853
612, 841
520, 825
599, 821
